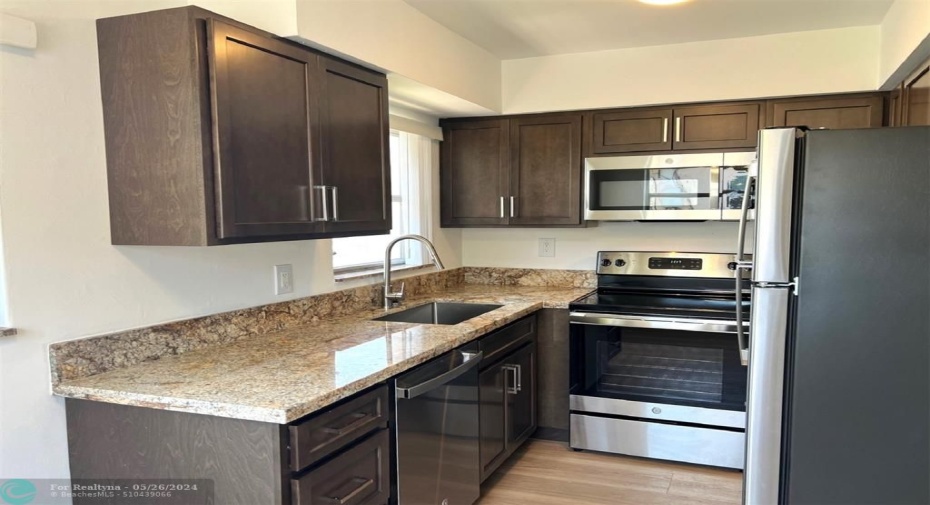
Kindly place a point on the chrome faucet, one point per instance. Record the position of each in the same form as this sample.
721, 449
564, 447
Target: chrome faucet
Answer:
391, 297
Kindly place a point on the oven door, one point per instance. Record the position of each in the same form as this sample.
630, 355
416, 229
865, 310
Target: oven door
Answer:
675, 187
661, 369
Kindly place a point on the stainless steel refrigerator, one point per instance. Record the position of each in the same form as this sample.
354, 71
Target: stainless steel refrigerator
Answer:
839, 334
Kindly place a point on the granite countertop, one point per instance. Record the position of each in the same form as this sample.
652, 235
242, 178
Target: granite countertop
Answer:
285, 375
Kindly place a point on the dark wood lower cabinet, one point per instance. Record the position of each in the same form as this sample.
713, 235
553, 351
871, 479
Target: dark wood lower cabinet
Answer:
248, 462
507, 396
245, 460
552, 386
359, 476
493, 401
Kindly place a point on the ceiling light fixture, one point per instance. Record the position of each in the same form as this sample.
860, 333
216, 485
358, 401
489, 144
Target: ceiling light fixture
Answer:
662, 2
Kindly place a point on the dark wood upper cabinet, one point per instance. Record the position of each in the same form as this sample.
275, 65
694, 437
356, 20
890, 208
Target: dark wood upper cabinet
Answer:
545, 171
220, 133
666, 129
474, 173
631, 131
355, 155
917, 97
716, 126
835, 112
263, 97
522, 171
895, 106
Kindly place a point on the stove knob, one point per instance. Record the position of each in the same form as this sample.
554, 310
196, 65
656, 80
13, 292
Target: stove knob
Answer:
605, 262
619, 263
731, 265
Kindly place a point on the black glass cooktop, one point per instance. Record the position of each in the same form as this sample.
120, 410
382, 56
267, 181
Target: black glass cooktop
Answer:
638, 303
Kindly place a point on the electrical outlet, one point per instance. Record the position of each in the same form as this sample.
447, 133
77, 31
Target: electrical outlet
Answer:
283, 279
547, 247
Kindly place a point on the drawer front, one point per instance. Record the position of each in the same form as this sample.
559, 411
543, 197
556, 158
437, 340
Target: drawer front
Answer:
359, 476
497, 344
332, 430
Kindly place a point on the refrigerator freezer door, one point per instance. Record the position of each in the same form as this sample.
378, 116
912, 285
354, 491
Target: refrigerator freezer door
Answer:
774, 196
768, 333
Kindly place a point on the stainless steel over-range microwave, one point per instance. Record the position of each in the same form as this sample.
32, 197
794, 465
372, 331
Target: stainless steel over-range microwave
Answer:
669, 187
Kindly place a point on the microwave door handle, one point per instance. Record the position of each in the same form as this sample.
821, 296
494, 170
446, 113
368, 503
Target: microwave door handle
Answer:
742, 264
715, 189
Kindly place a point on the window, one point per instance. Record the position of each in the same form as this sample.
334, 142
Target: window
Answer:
411, 156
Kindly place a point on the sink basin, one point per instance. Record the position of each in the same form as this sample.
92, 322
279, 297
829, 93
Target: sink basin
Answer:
440, 313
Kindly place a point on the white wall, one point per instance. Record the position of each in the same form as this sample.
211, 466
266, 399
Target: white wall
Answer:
576, 248
905, 40
276, 16
400, 39
825, 61
64, 279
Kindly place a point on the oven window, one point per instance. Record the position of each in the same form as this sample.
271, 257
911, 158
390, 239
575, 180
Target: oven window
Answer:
659, 366
652, 189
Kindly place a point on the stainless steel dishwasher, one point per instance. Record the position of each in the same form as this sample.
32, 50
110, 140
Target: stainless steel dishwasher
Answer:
437, 431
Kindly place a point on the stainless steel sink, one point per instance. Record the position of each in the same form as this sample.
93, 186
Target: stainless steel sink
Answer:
440, 313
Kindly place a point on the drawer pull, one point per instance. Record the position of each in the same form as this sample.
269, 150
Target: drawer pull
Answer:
361, 486
357, 420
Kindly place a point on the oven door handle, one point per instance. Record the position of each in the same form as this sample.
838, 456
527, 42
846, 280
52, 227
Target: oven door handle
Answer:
594, 319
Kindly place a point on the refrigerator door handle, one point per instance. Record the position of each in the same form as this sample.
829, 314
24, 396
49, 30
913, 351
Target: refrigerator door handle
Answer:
742, 264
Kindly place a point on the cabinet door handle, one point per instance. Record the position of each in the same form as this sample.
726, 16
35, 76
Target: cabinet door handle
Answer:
678, 129
515, 370
664, 130
361, 485
335, 203
502, 207
512, 206
325, 202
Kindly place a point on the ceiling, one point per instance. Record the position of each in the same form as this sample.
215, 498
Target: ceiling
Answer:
513, 29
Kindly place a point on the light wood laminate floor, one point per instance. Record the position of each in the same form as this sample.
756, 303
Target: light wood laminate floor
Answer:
550, 473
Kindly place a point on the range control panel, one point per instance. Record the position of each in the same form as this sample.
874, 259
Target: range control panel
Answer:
670, 264
675, 263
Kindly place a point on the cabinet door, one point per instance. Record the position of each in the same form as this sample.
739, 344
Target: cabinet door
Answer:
521, 395
545, 170
631, 131
833, 113
492, 424
264, 106
475, 173
356, 175
716, 126
895, 106
917, 98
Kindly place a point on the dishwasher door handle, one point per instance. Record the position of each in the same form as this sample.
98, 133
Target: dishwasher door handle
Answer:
470, 360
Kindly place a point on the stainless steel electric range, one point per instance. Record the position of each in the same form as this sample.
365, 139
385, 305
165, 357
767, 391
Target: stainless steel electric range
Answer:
655, 364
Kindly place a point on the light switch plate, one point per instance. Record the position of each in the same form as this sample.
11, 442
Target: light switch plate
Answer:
283, 279
547, 247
